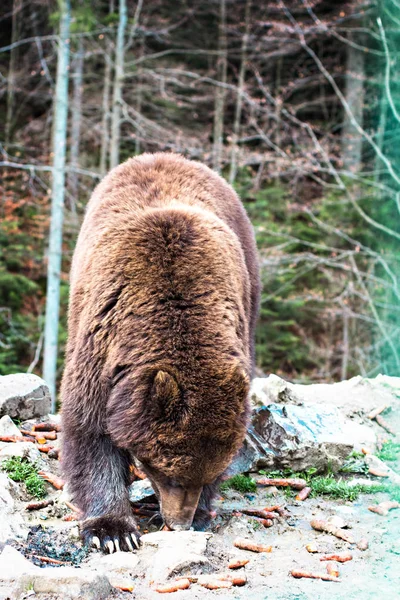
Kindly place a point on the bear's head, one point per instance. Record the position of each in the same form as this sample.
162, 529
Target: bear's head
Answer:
184, 430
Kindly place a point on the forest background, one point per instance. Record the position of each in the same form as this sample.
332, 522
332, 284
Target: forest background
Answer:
295, 102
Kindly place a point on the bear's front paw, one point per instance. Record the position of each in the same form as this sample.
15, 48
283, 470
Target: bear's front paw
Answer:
110, 532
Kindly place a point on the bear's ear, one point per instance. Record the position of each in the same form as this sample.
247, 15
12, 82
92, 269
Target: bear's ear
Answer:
166, 396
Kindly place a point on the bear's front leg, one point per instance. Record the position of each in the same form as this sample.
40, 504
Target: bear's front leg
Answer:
98, 476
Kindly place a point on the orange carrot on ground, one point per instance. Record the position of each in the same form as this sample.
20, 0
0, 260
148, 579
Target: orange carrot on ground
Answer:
363, 544
265, 522
342, 558
46, 427
173, 586
125, 585
51, 435
44, 448
14, 438
332, 569
327, 527
71, 506
46, 559
297, 484
237, 579
39, 505
383, 507
215, 584
307, 575
55, 481
237, 563
312, 548
244, 544
377, 411
303, 494
381, 421
70, 517
259, 512
377, 472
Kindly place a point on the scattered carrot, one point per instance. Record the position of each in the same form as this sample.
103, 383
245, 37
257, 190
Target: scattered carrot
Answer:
46, 427
296, 484
14, 438
237, 563
215, 584
303, 494
244, 544
363, 544
125, 585
44, 448
46, 559
264, 522
377, 411
71, 506
41, 440
342, 558
321, 525
307, 575
377, 472
381, 421
237, 579
383, 507
259, 512
312, 548
51, 435
366, 451
174, 586
55, 481
39, 505
332, 569
70, 517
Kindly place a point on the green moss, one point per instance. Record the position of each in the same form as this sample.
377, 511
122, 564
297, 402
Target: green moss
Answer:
240, 483
21, 470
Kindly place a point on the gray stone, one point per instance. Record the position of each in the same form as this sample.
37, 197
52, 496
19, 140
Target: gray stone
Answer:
119, 562
25, 450
12, 525
8, 427
179, 552
17, 573
24, 396
139, 490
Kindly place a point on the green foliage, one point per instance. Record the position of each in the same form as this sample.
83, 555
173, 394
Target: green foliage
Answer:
20, 470
240, 483
390, 451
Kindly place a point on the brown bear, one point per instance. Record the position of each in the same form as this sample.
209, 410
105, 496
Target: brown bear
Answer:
164, 299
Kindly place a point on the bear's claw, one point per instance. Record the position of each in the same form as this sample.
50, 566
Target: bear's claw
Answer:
110, 533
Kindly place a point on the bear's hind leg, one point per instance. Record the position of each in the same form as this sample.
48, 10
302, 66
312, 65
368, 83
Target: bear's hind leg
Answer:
98, 476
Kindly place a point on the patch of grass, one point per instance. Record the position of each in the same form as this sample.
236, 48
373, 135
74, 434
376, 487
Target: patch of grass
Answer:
21, 470
240, 483
390, 451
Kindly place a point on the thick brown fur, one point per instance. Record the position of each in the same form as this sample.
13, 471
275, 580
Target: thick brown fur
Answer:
164, 299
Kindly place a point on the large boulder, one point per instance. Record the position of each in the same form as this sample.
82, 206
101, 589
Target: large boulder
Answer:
24, 396
301, 426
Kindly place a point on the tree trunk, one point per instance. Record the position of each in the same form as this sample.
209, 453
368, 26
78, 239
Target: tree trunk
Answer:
239, 98
105, 120
351, 140
76, 116
220, 92
59, 142
17, 5
118, 82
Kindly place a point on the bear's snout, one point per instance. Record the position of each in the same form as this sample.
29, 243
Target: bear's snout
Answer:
178, 506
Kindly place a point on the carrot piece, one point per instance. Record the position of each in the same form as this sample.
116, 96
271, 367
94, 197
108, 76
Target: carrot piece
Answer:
237, 579
381, 421
174, 586
55, 481
39, 505
299, 574
303, 494
259, 512
332, 569
211, 582
46, 559
296, 484
70, 517
244, 544
44, 448
327, 527
383, 507
14, 438
363, 544
342, 558
46, 427
51, 435
312, 548
237, 563
377, 411
125, 585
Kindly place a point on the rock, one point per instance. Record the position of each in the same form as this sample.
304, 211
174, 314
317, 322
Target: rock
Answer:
22, 450
179, 552
119, 562
139, 490
8, 427
24, 396
12, 526
18, 574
